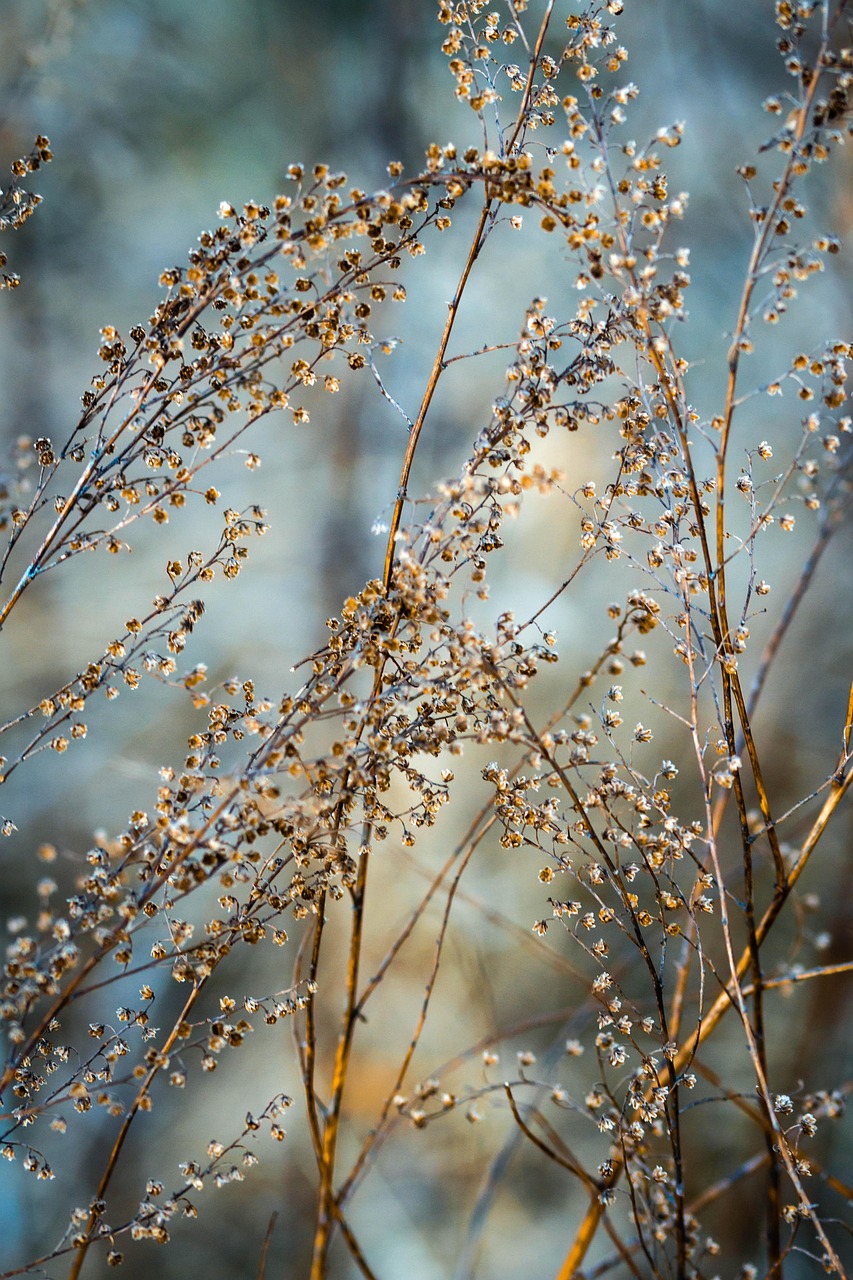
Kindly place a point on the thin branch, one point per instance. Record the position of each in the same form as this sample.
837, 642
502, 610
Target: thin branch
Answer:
262, 1263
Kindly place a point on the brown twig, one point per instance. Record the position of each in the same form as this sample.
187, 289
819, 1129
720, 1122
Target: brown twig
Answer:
141, 1095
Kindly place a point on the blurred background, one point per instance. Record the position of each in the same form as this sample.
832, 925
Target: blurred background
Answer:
156, 112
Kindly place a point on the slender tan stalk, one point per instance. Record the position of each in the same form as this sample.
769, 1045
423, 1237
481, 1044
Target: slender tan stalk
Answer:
262, 1261
141, 1095
325, 1213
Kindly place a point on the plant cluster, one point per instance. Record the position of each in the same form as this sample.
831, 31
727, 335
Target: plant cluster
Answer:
671, 877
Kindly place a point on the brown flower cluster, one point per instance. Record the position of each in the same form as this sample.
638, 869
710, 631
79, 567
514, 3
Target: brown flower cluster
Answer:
667, 879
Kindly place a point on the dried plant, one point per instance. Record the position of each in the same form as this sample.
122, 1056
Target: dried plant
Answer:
676, 879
